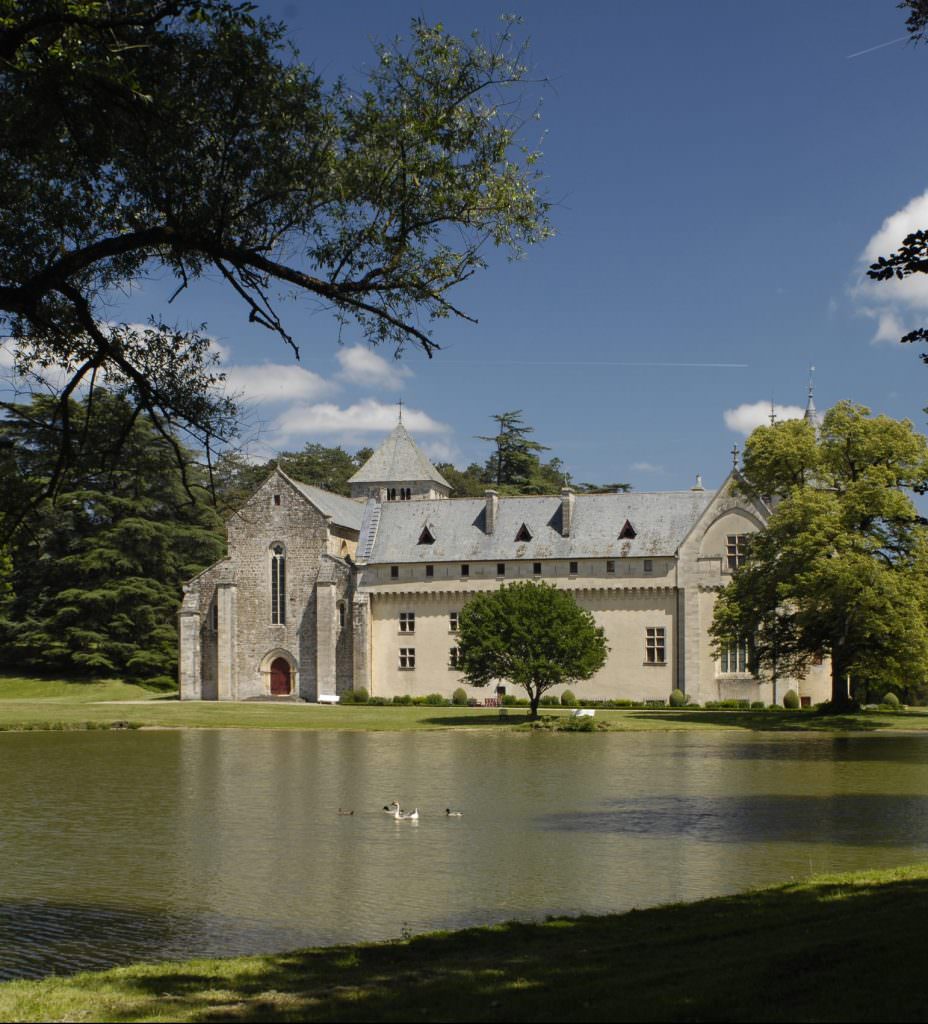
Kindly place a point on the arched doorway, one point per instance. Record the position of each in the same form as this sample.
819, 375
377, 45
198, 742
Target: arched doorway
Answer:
280, 677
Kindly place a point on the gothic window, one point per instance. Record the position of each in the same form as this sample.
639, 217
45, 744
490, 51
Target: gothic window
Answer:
278, 586
426, 536
627, 532
734, 658
736, 549
391, 494
523, 536
655, 645
341, 614
405, 494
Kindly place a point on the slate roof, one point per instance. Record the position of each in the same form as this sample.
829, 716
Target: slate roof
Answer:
343, 511
397, 460
661, 521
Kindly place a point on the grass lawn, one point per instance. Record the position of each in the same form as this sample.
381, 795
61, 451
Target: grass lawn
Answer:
836, 948
59, 704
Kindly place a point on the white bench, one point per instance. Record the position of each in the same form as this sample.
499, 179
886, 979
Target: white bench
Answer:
327, 698
583, 713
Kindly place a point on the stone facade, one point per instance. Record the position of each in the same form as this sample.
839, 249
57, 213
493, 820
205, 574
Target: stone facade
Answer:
372, 586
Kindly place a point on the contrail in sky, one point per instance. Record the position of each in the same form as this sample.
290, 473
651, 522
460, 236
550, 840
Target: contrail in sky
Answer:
587, 362
879, 46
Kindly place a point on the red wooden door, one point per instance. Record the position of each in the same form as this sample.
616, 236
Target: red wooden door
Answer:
280, 677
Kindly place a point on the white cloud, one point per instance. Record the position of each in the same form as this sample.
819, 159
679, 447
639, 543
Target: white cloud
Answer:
275, 381
365, 369
366, 416
749, 415
647, 467
6, 354
438, 450
896, 305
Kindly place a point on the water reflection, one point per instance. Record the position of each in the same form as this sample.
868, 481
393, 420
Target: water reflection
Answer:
855, 819
121, 846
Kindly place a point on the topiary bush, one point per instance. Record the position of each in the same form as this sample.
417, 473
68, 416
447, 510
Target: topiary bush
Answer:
435, 700
758, 705
405, 700
548, 701
568, 700
791, 700
459, 697
677, 699
890, 700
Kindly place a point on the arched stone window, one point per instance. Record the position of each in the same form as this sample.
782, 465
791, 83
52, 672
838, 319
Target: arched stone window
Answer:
278, 585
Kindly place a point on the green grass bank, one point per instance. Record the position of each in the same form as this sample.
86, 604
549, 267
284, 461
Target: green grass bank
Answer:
53, 704
835, 948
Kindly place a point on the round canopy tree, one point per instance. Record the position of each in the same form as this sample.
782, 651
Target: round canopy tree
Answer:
530, 634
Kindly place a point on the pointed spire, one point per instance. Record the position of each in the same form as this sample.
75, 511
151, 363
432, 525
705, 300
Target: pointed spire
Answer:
811, 414
734, 456
773, 414
400, 403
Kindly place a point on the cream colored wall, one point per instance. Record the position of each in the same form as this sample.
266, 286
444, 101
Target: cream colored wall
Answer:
624, 613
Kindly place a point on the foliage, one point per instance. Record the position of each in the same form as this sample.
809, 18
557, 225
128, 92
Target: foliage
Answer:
184, 137
841, 568
531, 634
459, 697
568, 700
890, 700
97, 572
516, 456
677, 699
359, 695
791, 700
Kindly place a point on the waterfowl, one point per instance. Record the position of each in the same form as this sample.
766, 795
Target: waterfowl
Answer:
453, 814
340, 811
407, 815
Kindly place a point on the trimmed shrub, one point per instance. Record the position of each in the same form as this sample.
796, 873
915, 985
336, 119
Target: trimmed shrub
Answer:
405, 700
890, 700
459, 697
358, 696
379, 702
758, 705
791, 700
548, 701
568, 700
435, 700
677, 699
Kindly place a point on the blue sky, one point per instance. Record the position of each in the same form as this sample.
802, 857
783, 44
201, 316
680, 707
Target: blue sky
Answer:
718, 172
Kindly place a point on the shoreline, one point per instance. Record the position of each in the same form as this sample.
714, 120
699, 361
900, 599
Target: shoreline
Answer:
789, 952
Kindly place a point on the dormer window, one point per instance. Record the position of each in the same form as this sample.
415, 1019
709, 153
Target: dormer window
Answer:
627, 532
524, 535
426, 536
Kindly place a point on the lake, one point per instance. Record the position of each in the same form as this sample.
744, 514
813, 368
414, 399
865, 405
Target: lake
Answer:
120, 846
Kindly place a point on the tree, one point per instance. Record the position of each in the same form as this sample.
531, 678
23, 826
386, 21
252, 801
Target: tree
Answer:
531, 634
842, 567
184, 137
515, 460
97, 573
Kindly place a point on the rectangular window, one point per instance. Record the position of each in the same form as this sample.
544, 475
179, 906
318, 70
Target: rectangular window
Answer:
341, 614
276, 499
394, 572
610, 566
452, 622
465, 570
734, 658
407, 658
429, 571
573, 568
536, 568
500, 568
407, 622
655, 645
736, 549
648, 565
215, 616
453, 654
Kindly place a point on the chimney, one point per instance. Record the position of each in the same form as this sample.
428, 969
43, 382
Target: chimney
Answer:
567, 510
492, 508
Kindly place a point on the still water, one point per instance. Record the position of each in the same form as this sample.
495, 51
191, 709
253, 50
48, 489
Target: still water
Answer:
119, 846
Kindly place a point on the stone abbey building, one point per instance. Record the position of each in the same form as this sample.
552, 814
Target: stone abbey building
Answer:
320, 594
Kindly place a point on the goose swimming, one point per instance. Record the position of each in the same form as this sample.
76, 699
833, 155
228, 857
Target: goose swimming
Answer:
453, 814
